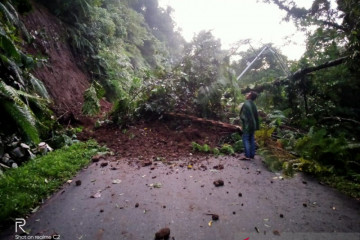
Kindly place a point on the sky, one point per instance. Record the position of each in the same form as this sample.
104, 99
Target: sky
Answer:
234, 20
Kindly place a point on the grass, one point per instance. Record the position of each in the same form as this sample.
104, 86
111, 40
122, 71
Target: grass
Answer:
22, 189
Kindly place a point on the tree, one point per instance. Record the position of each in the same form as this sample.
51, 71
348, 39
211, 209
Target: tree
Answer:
326, 90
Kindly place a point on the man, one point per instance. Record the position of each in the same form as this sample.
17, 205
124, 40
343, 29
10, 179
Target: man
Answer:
250, 123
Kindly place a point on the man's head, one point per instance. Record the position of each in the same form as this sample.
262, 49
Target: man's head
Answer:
251, 95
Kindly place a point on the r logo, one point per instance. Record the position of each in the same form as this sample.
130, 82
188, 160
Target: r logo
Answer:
19, 223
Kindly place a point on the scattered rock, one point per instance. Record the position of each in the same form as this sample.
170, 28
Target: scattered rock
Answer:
18, 152
304, 204
96, 195
214, 217
219, 167
240, 194
136, 205
116, 181
101, 210
219, 183
78, 183
44, 148
163, 234
147, 163
203, 167
104, 164
281, 215
96, 158
113, 168
276, 232
304, 182
234, 213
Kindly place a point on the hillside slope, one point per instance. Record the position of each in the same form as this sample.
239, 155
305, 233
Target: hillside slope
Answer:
64, 80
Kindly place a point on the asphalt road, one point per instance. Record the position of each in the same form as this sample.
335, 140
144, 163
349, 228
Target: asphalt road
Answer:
125, 201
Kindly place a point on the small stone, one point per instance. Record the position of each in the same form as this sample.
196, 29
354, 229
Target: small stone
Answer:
281, 216
104, 164
304, 204
136, 205
219, 183
164, 233
219, 167
240, 194
147, 163
276, 232
215, 217
96, 158
78, 183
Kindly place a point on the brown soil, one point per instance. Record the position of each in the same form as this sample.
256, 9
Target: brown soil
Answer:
63, 79
159, 140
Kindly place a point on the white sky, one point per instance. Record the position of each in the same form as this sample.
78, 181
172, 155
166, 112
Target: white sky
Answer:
234, 20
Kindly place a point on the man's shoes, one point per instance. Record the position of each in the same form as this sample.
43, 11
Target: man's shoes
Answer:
244, 158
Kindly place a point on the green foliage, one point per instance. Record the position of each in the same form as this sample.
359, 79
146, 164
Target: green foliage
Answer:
238, 146
312, 167
205, 148
316, 145
227, 149
344, 184
91, 104
216, 151
264, 135
270, 159
25, 187
20, 90
18, 111
200, 148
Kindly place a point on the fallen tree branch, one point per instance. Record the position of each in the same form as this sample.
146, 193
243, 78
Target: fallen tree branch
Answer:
297, 75
300, 73
205, 121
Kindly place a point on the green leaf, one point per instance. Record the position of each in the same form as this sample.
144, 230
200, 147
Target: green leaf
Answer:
19, 111
8, 46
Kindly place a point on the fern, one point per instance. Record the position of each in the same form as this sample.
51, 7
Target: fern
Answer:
14, 69
8, 46
91, 102
39, 87
13, 18
19, 111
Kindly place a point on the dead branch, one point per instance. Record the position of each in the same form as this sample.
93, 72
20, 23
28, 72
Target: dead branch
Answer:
340, 119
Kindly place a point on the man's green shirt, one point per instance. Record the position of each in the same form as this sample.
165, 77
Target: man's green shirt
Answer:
249, 117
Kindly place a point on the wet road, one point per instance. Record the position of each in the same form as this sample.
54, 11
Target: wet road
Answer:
124, 201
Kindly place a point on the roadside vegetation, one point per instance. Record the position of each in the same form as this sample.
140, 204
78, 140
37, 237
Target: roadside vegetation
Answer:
23, 189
